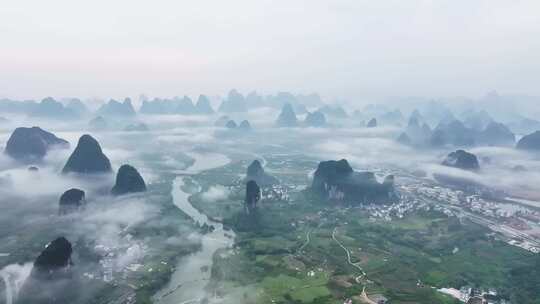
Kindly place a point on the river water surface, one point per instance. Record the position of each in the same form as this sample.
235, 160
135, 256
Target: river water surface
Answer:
193, 271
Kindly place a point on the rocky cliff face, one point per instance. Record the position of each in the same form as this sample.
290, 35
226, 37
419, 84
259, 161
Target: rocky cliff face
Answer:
337, 181
128, 180
32, 144
256, 173
253, 195
315, 119
462, 160
287, 117
530, 142
87, 158
71, 201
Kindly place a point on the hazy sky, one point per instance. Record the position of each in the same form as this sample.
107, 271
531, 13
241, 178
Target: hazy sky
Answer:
351, 49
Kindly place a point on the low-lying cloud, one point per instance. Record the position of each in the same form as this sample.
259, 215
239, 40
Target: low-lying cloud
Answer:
215, 194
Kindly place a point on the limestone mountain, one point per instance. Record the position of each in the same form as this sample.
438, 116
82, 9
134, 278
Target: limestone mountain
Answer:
98, 123
496, 134
372, 123
231, 124
418, 135
416, 115
287, 117
77, 106
404, 139
253, 195
524, 126
244, 126
255, 172
530, 142
426, 130
162, 106
56, 256
462, 160
71, 201
337, 181
51, 279
87, 158
185, 106
16, 106
32, 144
235, 102
203, 105
454, 133
51, 108
476, 120
315, 119
116, 108
128, 180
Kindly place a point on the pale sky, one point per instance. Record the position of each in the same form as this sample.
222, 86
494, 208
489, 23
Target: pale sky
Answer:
351, 49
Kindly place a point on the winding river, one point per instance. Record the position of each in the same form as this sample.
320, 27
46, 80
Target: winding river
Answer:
14, 276
9, 289
191, 275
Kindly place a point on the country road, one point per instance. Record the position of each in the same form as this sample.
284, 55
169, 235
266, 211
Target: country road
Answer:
347, 252
306, 243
